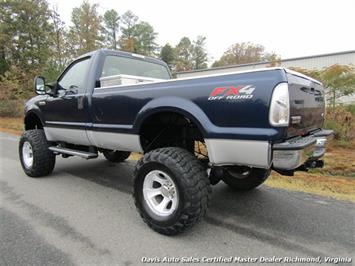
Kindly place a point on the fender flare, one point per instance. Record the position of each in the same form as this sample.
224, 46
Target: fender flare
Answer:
34, 110
177, 105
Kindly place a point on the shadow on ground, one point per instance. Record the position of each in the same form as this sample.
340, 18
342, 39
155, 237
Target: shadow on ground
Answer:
278, 217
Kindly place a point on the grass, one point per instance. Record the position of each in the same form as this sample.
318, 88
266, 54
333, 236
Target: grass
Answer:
339, 161
336, 179
338, 187
13, 125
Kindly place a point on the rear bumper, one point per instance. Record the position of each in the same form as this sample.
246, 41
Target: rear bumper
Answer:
295, 152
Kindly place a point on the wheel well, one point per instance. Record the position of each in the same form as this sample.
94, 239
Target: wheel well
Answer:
169, 129
32, 121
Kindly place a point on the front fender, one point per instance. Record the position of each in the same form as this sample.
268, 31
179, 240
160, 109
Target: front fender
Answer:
32, 109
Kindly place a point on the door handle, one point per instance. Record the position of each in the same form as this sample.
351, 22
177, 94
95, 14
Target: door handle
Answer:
68, 97
70, 94
42, 103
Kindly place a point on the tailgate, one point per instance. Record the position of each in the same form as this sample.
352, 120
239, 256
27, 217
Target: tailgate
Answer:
307, 104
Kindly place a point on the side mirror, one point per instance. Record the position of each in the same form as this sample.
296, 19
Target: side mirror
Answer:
40, 86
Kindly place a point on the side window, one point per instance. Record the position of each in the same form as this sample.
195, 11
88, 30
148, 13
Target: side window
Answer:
75, 77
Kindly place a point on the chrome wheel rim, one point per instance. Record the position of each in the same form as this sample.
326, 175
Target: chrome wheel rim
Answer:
27, 154
160, 193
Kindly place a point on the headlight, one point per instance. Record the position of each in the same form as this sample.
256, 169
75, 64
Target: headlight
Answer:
279, 114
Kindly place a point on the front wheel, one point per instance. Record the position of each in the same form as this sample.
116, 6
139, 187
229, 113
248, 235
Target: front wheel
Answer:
171, 190
245, 178
36, 159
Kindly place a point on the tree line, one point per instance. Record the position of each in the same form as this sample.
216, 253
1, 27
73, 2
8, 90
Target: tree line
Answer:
35, 40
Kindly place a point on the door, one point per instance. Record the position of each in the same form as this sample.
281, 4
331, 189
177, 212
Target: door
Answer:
66, 114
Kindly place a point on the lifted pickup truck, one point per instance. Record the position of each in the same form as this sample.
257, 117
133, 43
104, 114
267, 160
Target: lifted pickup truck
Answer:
192, 132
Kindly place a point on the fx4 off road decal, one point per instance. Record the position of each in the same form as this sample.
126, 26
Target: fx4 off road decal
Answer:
232, 93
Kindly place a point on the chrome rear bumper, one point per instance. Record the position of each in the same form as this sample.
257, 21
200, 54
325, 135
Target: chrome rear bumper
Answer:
295, 152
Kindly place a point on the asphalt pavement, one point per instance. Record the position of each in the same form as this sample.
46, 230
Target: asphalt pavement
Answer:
83, 214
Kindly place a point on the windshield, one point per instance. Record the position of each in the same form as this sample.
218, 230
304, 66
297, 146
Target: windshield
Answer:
116, 65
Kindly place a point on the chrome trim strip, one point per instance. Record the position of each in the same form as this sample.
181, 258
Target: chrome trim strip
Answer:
88, 125
66, 123
113, 126
242, 152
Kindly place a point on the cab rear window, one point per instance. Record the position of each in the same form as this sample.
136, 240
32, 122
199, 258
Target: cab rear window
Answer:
116, 65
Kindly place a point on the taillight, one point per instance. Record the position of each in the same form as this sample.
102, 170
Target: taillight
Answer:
279, 113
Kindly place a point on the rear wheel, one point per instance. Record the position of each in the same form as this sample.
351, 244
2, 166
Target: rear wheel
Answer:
171, 190
116, 156
36, 159
245, 178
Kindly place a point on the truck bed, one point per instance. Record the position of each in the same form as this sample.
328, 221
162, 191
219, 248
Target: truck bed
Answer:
226, 114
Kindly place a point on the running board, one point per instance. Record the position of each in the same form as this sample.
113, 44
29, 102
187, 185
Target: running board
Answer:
83, 154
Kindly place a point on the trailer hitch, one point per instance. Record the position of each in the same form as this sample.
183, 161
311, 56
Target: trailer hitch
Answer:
309, 164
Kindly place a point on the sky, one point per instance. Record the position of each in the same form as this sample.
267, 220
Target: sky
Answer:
289, 28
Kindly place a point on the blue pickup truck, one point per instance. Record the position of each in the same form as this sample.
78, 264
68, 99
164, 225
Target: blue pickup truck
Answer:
192, 132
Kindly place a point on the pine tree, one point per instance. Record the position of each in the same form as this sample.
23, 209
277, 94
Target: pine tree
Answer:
167, 54
111, 22
127, 41
85, 34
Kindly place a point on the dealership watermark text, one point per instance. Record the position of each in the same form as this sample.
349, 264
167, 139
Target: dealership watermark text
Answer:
238, 259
